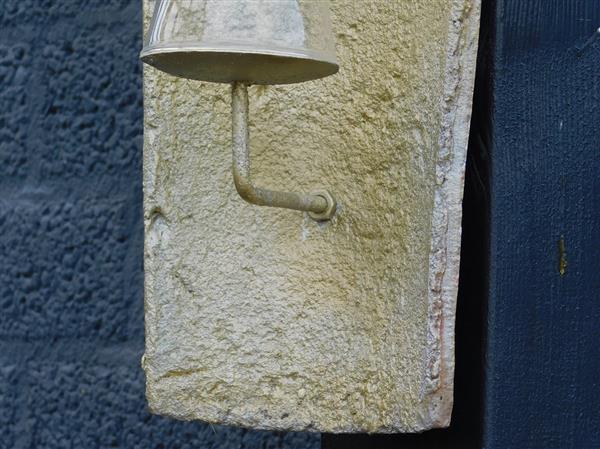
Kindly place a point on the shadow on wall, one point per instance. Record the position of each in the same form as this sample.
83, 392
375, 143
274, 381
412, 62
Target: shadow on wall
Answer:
71, 312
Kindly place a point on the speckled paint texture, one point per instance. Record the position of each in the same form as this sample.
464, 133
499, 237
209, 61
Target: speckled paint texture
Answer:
264, 318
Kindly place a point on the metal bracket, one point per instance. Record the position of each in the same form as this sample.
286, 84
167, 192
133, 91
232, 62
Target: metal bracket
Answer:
320, 205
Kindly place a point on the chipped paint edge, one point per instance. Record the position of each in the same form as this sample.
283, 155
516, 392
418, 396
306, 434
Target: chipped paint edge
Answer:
444, 258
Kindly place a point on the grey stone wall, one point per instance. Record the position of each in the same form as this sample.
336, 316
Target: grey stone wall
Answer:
71, 313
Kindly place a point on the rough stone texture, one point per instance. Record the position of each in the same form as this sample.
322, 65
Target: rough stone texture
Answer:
8, 398
82, 392
263, 318
60, 281
71, 310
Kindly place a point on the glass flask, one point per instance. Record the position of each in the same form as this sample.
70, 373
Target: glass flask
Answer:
254, 41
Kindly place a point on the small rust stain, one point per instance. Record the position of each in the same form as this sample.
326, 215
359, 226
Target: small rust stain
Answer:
562, 256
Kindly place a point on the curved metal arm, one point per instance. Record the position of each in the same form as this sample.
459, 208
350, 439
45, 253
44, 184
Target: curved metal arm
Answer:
320, 205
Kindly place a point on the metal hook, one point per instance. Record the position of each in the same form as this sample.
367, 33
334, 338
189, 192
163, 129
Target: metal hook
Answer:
320, 205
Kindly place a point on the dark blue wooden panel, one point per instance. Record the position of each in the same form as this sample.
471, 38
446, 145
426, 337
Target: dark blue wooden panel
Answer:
543, 351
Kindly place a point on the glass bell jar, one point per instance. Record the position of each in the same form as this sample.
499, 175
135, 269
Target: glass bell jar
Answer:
255, 41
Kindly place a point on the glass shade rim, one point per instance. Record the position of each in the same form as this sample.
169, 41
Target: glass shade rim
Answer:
238, 48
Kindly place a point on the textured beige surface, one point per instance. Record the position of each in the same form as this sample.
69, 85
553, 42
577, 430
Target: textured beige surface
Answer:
264, 318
